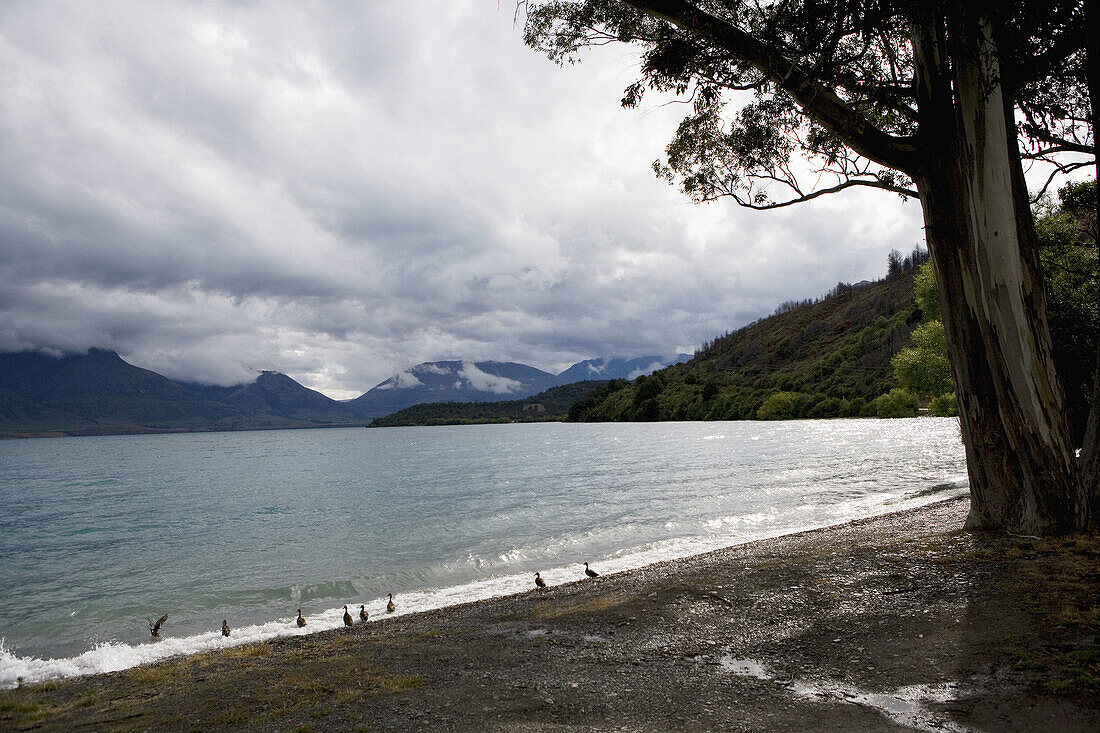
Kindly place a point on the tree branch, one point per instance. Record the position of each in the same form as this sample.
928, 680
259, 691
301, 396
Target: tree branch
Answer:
748, 204
820, 102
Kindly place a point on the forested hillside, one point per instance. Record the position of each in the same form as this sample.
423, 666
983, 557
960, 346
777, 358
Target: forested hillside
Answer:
828, 358
552, 404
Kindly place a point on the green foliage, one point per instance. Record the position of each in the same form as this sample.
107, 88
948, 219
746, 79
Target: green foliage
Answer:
944, 405
779, 406
926, 293
1068, 253
924, 367
829, 358
896, 403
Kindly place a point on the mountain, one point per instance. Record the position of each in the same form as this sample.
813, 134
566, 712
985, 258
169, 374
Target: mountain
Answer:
550, 405
277, 394
452, 381
99, 393
618, 368
96, 392
826, 358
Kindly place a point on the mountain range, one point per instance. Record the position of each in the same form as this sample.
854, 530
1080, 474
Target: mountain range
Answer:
99, 393
491, 381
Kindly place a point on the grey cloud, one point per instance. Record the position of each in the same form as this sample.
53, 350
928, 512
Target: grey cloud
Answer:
341, 190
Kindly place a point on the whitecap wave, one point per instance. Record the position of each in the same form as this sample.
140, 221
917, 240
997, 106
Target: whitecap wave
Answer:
733, 530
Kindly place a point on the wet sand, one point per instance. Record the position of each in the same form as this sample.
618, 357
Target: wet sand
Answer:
898, 622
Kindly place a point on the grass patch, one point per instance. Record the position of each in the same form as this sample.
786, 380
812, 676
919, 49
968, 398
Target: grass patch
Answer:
430, 634
87, 700
200, 660
21, 707
249, 651
158, 675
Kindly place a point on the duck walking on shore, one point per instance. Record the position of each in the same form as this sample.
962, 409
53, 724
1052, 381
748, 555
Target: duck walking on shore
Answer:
154, 628
391, 606
539, 582
301, 621
362, 613
347, 617
590, 572
225, 628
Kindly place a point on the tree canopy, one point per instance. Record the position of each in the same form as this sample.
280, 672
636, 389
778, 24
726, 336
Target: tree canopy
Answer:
816, 91
945, 101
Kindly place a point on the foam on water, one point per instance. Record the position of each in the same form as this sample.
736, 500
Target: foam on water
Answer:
739, 529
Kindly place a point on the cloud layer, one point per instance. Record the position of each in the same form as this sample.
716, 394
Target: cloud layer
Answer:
339, 190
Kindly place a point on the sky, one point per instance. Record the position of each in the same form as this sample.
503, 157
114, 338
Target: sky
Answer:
341, 190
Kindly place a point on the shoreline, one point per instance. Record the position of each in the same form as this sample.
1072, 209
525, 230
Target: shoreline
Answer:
901, 619
117, 656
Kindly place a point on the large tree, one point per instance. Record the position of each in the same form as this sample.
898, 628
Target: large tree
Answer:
944, 101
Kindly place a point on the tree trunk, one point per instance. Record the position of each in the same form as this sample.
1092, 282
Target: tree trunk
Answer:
1090, 448
1023, 473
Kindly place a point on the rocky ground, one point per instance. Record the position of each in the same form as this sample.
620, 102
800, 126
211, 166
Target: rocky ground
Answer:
902, 621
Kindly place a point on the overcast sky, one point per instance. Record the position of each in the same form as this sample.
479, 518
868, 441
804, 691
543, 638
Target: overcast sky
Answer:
340, 190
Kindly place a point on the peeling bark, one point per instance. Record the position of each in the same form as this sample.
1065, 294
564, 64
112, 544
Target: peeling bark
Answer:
1023, 473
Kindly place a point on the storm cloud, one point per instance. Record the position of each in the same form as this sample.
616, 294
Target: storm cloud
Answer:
340, 190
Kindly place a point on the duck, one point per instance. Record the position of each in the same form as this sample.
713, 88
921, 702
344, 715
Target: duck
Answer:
362, 612
590, 572
391, 606
347, 617
154, 628
301, 621
539, 582
225, 628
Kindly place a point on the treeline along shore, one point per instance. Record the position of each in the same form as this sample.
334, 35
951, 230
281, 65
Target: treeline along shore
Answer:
900, 621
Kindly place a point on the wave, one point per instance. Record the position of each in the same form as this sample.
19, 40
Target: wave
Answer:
720, 532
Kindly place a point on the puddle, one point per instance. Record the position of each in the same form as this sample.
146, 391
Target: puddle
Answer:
907, 706
744, 668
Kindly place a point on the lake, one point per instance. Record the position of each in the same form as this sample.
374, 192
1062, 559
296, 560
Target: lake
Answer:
98, 534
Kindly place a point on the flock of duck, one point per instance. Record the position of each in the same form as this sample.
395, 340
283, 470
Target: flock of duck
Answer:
154, 626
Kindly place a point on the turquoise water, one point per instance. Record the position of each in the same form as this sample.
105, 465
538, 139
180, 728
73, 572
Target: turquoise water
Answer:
97, 534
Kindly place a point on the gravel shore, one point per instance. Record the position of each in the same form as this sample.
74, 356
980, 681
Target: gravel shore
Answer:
903, 621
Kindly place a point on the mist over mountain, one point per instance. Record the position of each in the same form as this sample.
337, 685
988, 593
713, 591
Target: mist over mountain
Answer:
618, 368
452, 381
99, 393
96, 392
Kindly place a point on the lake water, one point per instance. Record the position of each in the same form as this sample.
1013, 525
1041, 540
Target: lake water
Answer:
97, 534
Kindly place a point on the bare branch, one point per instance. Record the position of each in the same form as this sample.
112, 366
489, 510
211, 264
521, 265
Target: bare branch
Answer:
1060, 169
820, 102
852, 183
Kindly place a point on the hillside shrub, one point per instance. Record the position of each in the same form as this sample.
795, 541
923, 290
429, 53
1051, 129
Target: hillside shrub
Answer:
896, 403
944, 405
779, 406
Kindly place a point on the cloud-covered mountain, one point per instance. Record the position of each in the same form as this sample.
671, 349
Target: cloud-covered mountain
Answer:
277, 394
452, 381
618, 368
99, 393
491, 381
96, 392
